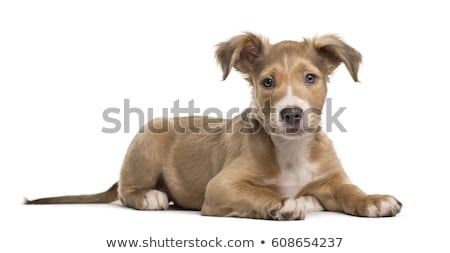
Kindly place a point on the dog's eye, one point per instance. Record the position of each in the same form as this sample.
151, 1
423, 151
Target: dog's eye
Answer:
310, 78
268, 83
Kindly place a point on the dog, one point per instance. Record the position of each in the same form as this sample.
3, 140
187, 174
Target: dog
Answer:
276, 163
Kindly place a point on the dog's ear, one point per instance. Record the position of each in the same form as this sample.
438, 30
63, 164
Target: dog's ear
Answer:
335, 51
240, 52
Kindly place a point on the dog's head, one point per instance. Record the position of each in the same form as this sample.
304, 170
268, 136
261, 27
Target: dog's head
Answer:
288, 78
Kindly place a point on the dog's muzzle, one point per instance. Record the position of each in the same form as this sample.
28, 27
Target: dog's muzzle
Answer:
291, 116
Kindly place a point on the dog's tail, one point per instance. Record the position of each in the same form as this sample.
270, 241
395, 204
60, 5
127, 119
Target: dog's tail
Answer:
105, 197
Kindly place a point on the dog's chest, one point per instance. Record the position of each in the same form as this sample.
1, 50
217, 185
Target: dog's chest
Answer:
296, 168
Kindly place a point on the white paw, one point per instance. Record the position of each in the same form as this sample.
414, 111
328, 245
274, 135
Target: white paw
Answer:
379, 206
156, 200
294, 209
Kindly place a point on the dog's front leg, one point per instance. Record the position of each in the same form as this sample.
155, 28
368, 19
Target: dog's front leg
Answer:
231, 194
339, 195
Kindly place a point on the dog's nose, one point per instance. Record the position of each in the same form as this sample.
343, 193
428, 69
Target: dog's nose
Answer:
291, 115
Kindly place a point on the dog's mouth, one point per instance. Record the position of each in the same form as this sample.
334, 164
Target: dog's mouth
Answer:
305, 125
292, 129
284, 130
289, 130
298, 129
290, 121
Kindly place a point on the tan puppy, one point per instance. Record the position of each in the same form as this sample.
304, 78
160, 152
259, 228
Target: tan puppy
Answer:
270, 162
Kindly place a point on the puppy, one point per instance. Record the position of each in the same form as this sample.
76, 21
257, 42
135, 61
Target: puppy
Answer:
270, 162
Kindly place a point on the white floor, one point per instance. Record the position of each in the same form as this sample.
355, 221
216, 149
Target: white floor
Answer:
85, 228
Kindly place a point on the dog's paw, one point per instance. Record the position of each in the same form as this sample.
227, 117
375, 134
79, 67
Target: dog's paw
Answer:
155, 200
379, 206
290, 209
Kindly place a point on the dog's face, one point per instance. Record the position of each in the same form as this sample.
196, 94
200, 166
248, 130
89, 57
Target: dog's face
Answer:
289, 79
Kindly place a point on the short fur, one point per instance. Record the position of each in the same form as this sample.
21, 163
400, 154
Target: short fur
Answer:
259, 169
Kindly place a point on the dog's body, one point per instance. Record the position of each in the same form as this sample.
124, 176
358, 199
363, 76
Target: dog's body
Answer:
272, 162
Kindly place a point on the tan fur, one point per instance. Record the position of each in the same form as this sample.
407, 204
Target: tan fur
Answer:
232, 173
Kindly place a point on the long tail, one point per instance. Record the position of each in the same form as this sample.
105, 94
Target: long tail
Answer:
105, 197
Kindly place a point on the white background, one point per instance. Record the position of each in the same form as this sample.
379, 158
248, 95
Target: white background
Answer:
63, 62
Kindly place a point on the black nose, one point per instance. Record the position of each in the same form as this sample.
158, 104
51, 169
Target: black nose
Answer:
291, 115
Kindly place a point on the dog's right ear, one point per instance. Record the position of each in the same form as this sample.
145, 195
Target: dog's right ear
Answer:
240, 52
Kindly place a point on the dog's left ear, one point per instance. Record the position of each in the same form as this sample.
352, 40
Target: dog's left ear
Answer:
336, 51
